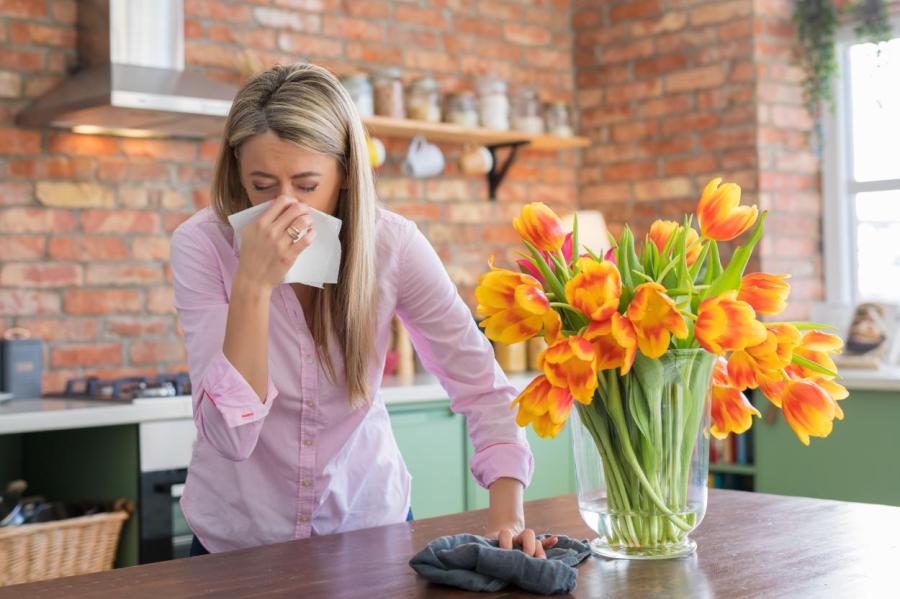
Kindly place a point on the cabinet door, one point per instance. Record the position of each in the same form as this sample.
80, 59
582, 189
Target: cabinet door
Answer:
554, 469
857, 462
430, 438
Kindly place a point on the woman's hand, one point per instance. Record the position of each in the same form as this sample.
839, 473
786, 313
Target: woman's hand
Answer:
506, 520
267, 249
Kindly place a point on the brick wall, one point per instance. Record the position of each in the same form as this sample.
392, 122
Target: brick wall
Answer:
84, 221
675, 92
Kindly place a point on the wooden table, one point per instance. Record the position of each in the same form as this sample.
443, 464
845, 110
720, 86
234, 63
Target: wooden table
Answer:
750, 545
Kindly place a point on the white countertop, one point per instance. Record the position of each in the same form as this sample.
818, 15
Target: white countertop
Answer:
31, 415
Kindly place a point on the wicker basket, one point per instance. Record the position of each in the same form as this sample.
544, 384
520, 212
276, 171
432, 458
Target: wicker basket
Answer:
82, 545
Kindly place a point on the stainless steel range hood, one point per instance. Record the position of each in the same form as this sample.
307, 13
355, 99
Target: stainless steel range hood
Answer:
132, 79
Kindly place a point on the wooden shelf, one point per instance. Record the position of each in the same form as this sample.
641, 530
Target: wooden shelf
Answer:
445, 132
744, 469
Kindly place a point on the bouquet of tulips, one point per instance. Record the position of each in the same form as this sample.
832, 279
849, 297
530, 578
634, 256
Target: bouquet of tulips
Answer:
649, 341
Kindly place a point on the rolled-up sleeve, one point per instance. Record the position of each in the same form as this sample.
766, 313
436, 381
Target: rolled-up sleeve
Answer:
451, 346
227, 411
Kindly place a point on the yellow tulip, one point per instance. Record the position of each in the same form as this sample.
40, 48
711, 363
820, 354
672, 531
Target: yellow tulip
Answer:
571, 363
720, 214
514, 307
766, 360
615, 342
540, 226
655, 318
807, 409
544, 406
766, 293
730, 410
725, 323
596, 289
816, 347
662, 230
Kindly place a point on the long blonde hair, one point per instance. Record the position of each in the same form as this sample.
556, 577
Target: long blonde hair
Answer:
306, 105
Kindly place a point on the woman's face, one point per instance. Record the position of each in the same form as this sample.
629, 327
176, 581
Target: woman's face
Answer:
271, 167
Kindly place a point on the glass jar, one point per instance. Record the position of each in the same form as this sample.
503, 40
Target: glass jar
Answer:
360, 89
642, 455
389, 94
526, 112
461, 109
493, 103
556, 115
423, 100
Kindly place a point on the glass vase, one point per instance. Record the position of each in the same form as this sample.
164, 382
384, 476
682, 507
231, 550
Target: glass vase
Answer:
642, 456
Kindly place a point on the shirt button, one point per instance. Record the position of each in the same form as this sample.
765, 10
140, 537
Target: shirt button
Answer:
310, 403
307, 483
307, 442
304, 519
308, 359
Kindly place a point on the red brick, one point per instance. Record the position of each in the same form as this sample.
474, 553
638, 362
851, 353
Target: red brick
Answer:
36, 220
122, 274
627, 171
633, 91
606, 153
21, 247
634, 9
640, 48
287, 19
634, 130
155, 351
528, 35
61, 329
656, 66
216, 9
22, 60
52, 167
671, 21
83, 145
22, 302
308, 45
718, 12
727, 138
150, 248
86, 354
697, 78
692, 122
138, 326
65, 11
424, 17
29, 274
19, 141
87, 248
364, 52
102, 301
31, 33
439, 62
662, 189
587, 18
160, 300
690, 166
474, 26
357, 29
176, 151
370, 8
171, 220
208, 54
32, 9
16, 194
669, 104
119, 221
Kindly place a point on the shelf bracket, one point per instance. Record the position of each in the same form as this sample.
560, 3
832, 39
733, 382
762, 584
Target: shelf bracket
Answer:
498, 172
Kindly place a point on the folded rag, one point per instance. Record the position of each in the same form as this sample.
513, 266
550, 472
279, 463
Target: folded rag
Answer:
475, 563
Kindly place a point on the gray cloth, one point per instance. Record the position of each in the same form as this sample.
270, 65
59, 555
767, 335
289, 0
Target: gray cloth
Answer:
475, 563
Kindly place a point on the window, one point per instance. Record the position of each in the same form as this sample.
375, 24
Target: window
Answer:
861, 174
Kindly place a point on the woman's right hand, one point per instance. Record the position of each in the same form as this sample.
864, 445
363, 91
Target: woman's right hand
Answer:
267, 249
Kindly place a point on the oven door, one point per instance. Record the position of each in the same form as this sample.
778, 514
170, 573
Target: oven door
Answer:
165, 533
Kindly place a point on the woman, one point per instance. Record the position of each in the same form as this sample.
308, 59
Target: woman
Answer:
293, 437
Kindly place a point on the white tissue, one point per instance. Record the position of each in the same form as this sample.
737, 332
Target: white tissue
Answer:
316, 265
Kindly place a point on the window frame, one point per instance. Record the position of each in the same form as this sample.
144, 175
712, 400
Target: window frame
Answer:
839, 226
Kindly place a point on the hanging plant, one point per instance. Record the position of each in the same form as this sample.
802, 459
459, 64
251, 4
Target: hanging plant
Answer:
817, 22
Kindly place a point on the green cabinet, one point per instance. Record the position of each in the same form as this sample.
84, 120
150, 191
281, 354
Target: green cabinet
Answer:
430, 438
859, 461
437, 450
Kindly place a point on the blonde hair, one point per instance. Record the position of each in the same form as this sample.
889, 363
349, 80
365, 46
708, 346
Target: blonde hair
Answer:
306, 105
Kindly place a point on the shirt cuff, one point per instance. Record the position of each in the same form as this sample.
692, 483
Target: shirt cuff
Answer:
232, 395
512, 460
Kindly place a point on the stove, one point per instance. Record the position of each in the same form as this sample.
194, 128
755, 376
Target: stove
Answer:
129, 388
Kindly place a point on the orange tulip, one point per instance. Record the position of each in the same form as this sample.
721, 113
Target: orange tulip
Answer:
662, 230
766, 360
816, 347
540, 226
835, 391
514, 306
615, 342
720, 214
544, 406
730, 410
807, 409
766, 293
655, 318
596, 289
725, 323
571, 363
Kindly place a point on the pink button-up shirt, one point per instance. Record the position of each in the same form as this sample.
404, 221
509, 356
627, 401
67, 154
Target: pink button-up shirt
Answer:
303, 463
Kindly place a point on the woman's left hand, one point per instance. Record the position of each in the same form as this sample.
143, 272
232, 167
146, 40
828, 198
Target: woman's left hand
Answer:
516, 536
